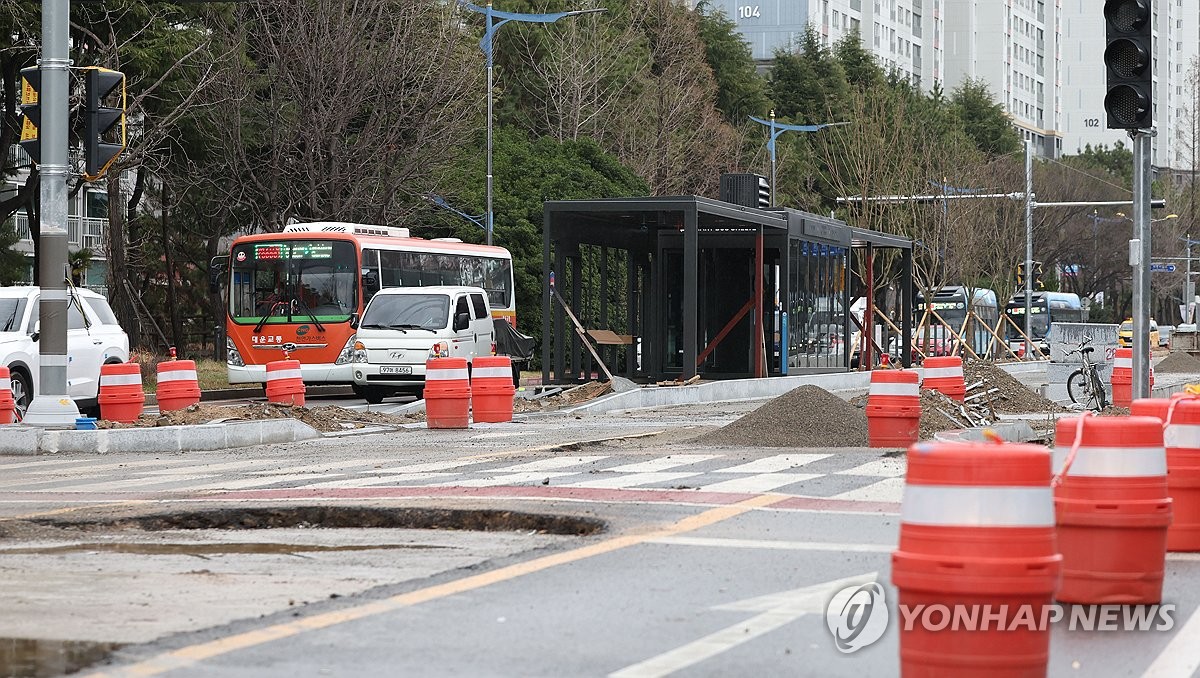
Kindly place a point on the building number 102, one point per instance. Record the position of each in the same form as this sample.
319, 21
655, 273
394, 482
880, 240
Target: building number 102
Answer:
748, 11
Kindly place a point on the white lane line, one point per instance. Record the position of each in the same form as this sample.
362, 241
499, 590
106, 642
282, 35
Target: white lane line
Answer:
763, 482
886, 490
435, 465
775, 464
507, 479
110, 467
663, 463
629, 480
550, 464
388, 481
261, 481
881, 468
211, 468
1179, 657
366, 464
727, 543
129, 483
44, 463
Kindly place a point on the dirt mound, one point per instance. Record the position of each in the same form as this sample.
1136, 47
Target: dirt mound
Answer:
567, 398
808, 416
1178, 363
939, 413
1012, 397
324, 418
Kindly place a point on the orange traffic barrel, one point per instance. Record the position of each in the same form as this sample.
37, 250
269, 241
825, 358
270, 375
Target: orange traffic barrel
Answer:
893, 408
1181, 436
447, 393
492, 389
8, 406
120, 396
285, 384
1122, 377
1112, 509
177, 385
946, 376
976, 541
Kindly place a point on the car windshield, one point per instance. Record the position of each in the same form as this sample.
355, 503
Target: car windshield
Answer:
11, 312
1126, 327
406, 311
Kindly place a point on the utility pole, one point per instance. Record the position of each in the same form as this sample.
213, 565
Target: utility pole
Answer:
1139, 256
1028, 247
52, 406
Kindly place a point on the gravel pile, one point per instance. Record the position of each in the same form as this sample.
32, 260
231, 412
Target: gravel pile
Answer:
939, 413
1013, 396
322, 418
1178, 363
808, 416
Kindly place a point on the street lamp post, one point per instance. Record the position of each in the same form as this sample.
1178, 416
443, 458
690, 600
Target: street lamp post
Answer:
494, 21
778, 128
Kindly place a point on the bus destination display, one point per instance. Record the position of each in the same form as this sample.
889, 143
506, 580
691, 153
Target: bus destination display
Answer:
296, 250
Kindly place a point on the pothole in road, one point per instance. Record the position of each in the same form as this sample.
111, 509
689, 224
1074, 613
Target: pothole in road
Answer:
241, 518
29, 658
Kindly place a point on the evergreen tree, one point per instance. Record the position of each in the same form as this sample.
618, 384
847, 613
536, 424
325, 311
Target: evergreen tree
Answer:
984, 119
861, 68
741, 91
808, 85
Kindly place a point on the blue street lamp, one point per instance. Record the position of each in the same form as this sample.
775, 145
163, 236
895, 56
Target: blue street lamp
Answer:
441, 202
778, 128
494, 21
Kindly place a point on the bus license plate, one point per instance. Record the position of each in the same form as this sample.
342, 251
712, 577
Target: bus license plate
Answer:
395, 369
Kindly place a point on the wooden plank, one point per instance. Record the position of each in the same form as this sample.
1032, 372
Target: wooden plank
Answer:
610, 338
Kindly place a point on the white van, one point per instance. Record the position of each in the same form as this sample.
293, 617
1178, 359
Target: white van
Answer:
402, 327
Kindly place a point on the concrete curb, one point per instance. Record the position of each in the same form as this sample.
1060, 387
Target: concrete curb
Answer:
258, 392
23, 440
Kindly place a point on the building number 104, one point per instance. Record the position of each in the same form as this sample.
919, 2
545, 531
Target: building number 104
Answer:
748, 11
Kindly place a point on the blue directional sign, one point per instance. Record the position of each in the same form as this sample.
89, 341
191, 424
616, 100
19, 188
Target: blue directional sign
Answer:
1162, 268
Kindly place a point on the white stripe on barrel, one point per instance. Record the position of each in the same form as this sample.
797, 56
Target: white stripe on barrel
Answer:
492, 372
5, 384
273, 375
120, 380
977, 506
446, 374
942, 372
1113, 462
893, 389
177, 375
1182, 435
1126, 363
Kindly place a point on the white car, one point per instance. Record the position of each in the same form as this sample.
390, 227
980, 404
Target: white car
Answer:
93, 338
402, 327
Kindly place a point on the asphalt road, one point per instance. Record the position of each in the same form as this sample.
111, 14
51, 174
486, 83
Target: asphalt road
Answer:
715, 561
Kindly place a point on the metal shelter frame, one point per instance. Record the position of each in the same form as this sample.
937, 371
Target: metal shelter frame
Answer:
687, 263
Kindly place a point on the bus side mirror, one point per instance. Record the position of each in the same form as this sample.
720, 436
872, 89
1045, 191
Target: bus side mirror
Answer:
370, 278
354, 321
217, 266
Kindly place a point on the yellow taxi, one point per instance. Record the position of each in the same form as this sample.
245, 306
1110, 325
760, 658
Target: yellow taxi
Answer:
1125, 334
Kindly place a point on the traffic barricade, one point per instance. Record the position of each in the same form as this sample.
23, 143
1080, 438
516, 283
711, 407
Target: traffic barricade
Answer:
1181, 437
945, 375
1122, 377
178, 386
120, 396
893, 408
1112, 509
448, 393
8, 405
285, 385
492, 389
977, 537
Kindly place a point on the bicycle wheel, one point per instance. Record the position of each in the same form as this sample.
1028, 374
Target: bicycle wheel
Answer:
1078, 387
1100, 393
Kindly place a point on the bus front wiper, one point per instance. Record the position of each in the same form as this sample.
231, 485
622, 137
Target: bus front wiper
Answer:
270, 311
309, 313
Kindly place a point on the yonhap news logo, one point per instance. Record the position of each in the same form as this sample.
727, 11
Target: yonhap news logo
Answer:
857, 616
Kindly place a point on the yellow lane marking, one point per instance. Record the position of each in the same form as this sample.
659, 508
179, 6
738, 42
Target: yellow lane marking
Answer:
188, 656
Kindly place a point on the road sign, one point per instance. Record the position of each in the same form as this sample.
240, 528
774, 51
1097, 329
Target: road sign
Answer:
1162, 268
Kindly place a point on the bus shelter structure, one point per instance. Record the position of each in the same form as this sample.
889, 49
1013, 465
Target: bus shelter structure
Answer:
675, 287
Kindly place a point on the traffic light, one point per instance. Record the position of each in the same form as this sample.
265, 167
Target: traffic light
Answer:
104, 126
1037, 276
1128, 58
31, 84
1021, 276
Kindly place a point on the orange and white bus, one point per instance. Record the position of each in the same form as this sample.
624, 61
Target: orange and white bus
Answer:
300, 292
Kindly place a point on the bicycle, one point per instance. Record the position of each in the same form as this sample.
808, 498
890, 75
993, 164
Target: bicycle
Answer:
1085, 382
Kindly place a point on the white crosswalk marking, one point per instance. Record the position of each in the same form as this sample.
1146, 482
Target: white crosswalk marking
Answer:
886, 490
133, 484
399, 480
509, 479
762, 482
434, 465
213, 468
366, 464
551, 464
110, 467
629, 480
881, 468
261, 481
775, 464
663, 463
42, 463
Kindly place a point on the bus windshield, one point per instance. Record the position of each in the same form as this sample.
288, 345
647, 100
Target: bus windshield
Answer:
1039, 320
293, 281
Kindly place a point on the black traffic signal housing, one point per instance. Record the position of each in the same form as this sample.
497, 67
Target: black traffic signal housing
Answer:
104, 125
1038, 284
31, 112
1021, 276
1128, 62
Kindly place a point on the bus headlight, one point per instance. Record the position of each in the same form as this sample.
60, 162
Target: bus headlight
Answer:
351, 353
232, 356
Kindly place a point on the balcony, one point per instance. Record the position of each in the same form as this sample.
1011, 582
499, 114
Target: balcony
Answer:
81, 232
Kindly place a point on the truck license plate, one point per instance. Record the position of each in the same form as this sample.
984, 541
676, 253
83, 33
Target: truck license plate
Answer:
395, 369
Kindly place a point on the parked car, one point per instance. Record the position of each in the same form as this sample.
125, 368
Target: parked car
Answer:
1164, 335
1125, 334
402, 327
94, 338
